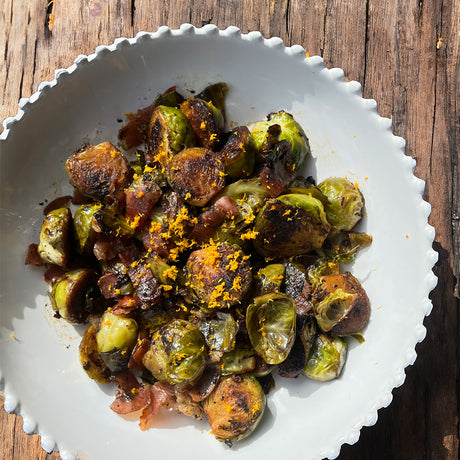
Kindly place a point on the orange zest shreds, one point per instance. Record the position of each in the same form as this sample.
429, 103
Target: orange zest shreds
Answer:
134, 390
135, 222
166, 287
237, 284
203, 125
213, 136
287, 212
171, 272
232, 265
250, 235
140, 194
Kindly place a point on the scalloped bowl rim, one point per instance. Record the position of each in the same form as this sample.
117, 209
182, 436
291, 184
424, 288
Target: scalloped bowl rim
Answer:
351, 434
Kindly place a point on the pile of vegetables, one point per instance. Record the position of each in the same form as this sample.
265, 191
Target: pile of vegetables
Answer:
206, 264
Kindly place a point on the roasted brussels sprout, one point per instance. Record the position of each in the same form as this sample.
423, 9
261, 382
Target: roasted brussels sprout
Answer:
326, 359
238, 153
207, 121
177, 354
271, 324
218, 276
235, 407
54, 246
170, 132
90, 358
238, 361
346, 203
216, 94
291, 131
196, 174
97, 170
341, 304
116, 337
290, 225
269, 279
109, 220
219, 331
83, 229
74, 294
251, 191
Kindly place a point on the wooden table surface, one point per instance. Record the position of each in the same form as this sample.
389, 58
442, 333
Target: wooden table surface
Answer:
406, 56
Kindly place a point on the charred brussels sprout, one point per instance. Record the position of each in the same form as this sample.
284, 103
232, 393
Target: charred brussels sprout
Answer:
109, 220
326, 359
170, 132
269, 279
207, 121
291, 131
220, 332
176, 354
341, 304
115, 339
271, 324
218, 276
216, 94
235, 407
290, 225
90, 358
97, 170
83, 230
238, 153
73, 295
54, 247
196, 174
346, 203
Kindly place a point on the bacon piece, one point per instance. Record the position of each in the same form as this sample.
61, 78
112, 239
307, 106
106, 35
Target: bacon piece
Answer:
210, 220
131, 395
160, 394
139, 202
139, 351
135, 131
146, 285
107, 284
61, 202
53, 273
126, 305
32, 256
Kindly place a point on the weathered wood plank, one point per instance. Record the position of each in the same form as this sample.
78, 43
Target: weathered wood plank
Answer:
395, 50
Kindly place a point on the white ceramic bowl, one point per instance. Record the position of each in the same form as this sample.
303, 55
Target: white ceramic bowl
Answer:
40, 371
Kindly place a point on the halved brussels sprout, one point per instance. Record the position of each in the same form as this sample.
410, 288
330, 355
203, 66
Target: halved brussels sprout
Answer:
84, 232
196, 175
326, 359
346, 203
97, 170
109, 220
207, 121
235, 407
218, 276
238, 361
291, 131
269, 279
90, 359
116, 337
271, 324
73, 295
170, 132
216, 94
177, 354
220, 331
238, 153
290, 225
250, 191
54, 246
341, 304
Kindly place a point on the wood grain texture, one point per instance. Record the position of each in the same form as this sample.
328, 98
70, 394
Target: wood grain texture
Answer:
406, 56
